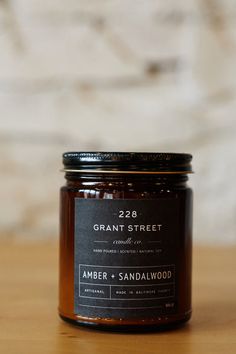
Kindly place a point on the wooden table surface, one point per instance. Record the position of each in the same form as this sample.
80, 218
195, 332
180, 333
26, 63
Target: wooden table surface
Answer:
28, 309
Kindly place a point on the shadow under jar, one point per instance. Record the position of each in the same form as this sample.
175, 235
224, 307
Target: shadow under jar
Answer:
125, 240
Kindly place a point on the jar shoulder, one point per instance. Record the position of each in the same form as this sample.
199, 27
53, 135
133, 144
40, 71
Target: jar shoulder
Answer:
125, 190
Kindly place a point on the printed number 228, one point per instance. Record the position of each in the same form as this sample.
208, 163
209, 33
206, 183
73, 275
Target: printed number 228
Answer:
128, 214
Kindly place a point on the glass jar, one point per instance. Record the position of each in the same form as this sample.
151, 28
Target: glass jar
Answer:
125, 240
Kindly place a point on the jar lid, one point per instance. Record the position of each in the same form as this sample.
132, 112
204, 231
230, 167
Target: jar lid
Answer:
127, 162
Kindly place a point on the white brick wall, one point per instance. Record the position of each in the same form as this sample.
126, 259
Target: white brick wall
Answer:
116, 75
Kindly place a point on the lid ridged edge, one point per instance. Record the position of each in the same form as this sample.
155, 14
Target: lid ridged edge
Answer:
127, 161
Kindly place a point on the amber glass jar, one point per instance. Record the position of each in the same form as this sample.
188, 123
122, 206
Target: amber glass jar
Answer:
125, 240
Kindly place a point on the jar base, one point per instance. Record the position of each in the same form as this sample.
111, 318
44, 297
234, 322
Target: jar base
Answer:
131, 328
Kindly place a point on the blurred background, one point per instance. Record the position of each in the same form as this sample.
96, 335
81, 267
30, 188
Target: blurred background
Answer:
122, 75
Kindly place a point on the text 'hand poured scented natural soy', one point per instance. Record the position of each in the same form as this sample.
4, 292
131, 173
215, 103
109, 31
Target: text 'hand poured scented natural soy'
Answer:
126, 240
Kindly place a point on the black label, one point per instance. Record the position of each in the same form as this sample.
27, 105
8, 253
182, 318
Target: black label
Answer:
125, 257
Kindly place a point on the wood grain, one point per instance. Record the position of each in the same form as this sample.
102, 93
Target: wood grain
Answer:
28, 309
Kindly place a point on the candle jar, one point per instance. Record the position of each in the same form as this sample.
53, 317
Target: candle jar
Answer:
125, 240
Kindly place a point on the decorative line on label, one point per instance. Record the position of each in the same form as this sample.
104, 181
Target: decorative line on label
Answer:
127, 308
